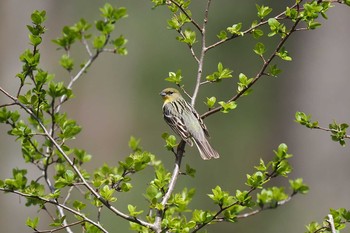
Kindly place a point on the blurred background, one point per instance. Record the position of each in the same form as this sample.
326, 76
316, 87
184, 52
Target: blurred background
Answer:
118, 98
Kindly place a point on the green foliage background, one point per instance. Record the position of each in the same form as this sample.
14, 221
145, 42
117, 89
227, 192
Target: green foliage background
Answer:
119, 97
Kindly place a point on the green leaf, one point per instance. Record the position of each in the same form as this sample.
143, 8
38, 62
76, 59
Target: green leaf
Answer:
32, 223
261, 167
220, 197
227, 106
274, 70
107, 193
113, 14
313, 25
339, 132
211, 102
243, 198
271, 196
134, 144
99, 41
257, 33
133, 212
243, 84
174, 77
235, 29
67, 62
222, 73
222, 35
58, 90
188, 37
283, 54
82, 156
259, 49
256, 180
292, 13
313, 227
78, 205
200, 216
281, 152
304, 119
119, 45
276, 27
34, 40
298, 186
170, 141
263, 11
38, 17
58, 221
190, 171
125, 187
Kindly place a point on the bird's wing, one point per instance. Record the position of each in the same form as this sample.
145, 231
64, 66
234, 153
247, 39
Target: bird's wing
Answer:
176, 122
200, 121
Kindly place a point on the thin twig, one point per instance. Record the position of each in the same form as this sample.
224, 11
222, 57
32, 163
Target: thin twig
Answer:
7, 105
249, 30
330, 130
187, 15
60, 228
45, 200
189, 46
202, 55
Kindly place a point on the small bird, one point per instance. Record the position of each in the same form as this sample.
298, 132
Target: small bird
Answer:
186, 122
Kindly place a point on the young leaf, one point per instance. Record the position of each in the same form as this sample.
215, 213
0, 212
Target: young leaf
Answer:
274, 70
263, 11
211, 102
174, 77
133, 212
32, 223
227, 106
235, 29
259, 49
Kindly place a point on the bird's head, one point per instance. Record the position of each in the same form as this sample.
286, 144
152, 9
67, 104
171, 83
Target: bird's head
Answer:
170, 94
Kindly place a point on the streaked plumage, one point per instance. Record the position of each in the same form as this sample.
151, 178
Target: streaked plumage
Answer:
186, 122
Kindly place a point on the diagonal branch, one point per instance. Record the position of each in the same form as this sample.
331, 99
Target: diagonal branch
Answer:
187, 15
259, 74
75, 212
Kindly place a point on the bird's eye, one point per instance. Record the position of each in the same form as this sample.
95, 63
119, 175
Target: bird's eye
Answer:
170, 92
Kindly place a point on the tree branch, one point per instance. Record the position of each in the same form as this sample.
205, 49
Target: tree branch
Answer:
202, 54
45, 200
75, 168
259, 74
187, 15
176, 172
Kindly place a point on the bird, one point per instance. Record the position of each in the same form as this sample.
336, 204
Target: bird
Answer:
184, 120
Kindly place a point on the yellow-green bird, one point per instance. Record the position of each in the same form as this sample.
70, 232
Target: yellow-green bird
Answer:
186, 122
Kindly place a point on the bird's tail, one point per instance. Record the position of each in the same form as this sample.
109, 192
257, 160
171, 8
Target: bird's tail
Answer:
205, 149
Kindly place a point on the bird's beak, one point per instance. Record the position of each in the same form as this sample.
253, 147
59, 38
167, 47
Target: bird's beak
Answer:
163, 94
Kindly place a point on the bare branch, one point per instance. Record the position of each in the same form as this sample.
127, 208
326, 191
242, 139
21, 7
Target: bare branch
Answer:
330, 130
202, 54
60, 228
